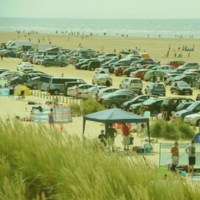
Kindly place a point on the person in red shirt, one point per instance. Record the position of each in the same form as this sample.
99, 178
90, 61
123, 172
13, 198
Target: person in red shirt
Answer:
126, 139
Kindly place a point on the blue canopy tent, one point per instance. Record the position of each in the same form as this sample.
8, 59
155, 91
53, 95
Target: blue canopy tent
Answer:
115, 115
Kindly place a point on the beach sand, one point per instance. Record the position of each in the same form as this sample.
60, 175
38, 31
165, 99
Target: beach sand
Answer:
155, 47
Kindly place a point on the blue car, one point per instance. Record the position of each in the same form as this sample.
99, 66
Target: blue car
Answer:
192, 109
10, 54
155, 89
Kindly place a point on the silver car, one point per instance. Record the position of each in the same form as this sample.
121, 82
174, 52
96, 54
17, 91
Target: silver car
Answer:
85, 94
193, 119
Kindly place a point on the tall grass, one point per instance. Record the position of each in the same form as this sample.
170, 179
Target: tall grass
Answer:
167, 130
41, 163
86, 107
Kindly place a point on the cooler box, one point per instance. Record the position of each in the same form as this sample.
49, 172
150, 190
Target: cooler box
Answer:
140, 150
147, 149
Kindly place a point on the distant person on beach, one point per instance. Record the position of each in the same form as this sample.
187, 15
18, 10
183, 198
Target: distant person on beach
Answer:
112, 133
50, 118
1, 56
191, 150
126, 134
76, 91
102, 138
175, 156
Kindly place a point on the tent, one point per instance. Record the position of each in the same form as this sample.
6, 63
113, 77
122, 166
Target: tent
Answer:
21, 88
115, 115
196, 138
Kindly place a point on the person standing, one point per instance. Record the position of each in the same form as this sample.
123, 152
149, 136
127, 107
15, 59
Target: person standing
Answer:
112, 133
76, 92
1, 56
126, 139
175, 156
50, 118
154, 78
102, 138
190, 150
198, 97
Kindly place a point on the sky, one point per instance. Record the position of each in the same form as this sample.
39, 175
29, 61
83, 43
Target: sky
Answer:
163, 9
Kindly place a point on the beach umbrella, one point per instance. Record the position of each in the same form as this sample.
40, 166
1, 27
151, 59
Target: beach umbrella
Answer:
21, 88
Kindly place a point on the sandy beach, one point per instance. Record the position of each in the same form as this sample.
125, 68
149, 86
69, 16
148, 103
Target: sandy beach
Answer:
155, 47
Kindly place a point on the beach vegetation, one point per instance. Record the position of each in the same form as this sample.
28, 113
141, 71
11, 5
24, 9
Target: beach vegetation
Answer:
168, 130
41, 163
86, 107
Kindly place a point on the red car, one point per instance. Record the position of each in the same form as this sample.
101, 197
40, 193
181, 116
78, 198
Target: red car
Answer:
176, 63
118, 71
139, 73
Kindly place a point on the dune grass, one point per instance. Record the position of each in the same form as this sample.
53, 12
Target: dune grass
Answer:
37, 162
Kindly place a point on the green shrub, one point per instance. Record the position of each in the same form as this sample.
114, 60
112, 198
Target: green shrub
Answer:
76, 110
167, 130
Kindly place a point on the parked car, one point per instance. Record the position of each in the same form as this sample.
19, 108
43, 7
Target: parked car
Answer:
149, 75
176, 63
170, 103
118, 71
37, 59
25, 66
88, 93
137, 99
106, 91
183, 77
102, 70
193, 108
181, 87
168, 78
11, 74
132, 92
128, 70
33, 83
152, 104
53, 62
71, 84
102, 79
72, 90
131, 83
189, 65
3, 70
193, 119
140, 73
189, 71
166, 68
92, 65
10, 54
155, 89
183, 106
114, 100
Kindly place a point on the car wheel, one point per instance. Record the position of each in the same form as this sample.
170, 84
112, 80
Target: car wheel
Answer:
38, 62
47, 65
34, 87
171, 91
107, 83
178, 92
56, 92
164, 94
197, 122
113, 105
190, 93
93, 82
170, 83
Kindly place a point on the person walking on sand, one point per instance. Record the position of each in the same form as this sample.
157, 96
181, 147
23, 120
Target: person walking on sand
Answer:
126, 139
50, 118
190, 150
174, 119
175, 156
198, 97
76, 92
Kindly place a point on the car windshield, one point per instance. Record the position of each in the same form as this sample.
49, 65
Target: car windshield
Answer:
193, 105
183, 84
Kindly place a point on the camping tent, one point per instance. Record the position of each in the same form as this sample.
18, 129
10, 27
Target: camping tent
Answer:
114, 115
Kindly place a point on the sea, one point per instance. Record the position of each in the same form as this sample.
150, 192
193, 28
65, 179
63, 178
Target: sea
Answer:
165, 28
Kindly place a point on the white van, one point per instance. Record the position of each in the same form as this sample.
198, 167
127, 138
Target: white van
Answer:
24, 66
131, 83
56, 84
16, 44
51, 54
